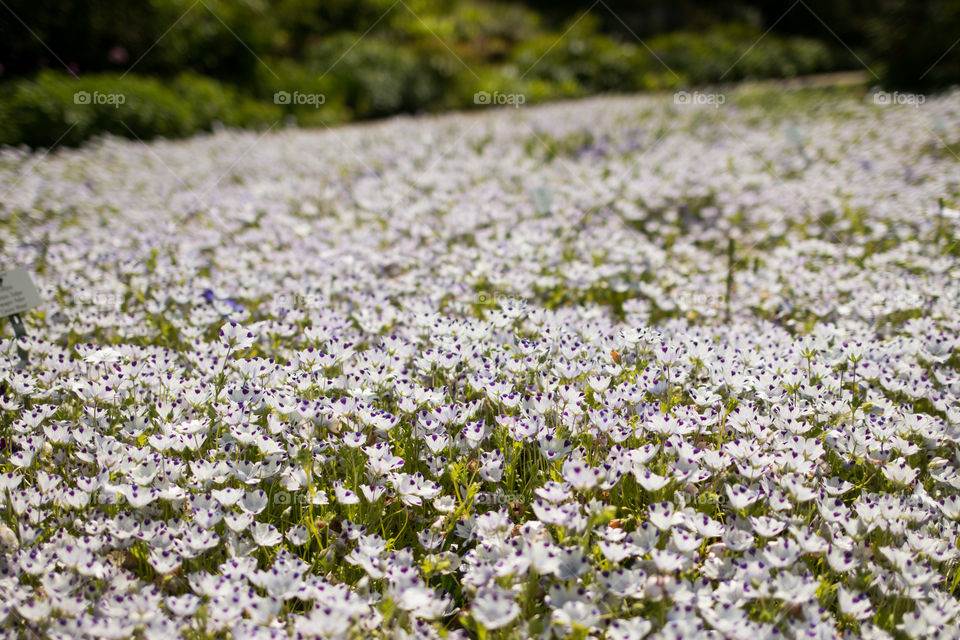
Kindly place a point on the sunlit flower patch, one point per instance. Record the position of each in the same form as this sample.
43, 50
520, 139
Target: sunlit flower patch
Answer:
610, 369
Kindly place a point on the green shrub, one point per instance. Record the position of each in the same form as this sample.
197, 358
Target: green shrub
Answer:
55, 108
596, 62
281, 76
737, 51
375, 77
593, 61
436, 59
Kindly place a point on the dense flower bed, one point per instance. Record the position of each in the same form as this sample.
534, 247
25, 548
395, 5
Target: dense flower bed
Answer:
618, 368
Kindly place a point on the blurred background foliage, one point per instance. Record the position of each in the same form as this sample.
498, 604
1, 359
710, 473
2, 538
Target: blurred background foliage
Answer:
185, 65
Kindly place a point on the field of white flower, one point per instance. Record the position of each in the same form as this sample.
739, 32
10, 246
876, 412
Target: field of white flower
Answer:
618, 368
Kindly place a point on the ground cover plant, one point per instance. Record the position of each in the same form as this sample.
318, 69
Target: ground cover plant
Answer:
663, 366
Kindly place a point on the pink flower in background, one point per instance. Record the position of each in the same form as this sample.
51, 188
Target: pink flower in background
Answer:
117, 55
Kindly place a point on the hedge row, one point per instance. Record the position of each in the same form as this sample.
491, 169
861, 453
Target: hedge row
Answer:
382, 76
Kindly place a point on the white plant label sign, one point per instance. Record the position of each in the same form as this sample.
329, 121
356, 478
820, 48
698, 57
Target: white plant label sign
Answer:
17, 293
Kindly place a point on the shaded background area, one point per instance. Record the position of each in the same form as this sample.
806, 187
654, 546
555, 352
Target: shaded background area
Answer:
183, 65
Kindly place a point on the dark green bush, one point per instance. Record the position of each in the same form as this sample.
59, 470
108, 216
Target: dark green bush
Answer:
593, 61
596, 62
377, 77
737, 51
434, 55
288, 77
55, 108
